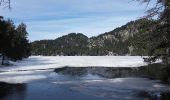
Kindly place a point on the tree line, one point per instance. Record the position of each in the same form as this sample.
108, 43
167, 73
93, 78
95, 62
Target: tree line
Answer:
14, 44
124, 40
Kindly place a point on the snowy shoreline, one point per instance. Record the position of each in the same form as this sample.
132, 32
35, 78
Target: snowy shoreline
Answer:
52, 62
40, 69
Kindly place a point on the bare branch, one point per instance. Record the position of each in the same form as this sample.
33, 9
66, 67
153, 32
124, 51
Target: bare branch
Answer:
5, 3
156, 10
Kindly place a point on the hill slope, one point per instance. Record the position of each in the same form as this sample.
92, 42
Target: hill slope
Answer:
116, 42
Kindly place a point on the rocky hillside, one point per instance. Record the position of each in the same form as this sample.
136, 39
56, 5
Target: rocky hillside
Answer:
117, 42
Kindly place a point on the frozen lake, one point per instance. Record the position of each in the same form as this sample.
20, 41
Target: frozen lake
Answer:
47, 62
78, 78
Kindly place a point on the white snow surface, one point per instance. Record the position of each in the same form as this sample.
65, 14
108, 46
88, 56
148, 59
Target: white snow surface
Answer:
41, 67
50, 62
23, 76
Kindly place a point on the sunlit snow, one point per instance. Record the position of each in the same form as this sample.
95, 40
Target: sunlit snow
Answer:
48, 62
41, 67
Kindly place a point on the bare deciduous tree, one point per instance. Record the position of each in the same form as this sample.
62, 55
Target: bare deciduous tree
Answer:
157, 9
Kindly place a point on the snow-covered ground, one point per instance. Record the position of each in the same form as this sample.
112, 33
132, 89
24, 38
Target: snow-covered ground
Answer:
40, 67
48, 62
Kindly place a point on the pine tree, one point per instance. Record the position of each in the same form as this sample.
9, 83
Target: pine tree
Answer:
159, 34
13, 41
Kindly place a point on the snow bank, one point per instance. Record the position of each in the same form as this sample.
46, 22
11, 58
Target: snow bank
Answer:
23, 76
48, 62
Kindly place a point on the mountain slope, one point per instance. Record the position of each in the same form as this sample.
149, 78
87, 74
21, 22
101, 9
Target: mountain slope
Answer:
116, 42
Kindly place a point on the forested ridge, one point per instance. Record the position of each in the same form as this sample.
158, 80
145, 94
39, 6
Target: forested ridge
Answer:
124, 40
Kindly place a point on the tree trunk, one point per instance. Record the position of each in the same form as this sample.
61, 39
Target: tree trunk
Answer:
3, 58
168, 58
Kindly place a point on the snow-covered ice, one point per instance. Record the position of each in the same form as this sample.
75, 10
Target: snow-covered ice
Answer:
39, 67
48, 62
23, 76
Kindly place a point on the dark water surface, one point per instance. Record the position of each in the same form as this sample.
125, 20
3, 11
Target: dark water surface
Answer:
90, 83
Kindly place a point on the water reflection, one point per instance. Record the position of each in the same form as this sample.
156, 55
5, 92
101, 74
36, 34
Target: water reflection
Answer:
87, 83
72, 71
12, 91
152, 71
155, 71
106, 72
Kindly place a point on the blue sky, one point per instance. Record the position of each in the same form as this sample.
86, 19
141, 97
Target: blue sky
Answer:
49, 19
